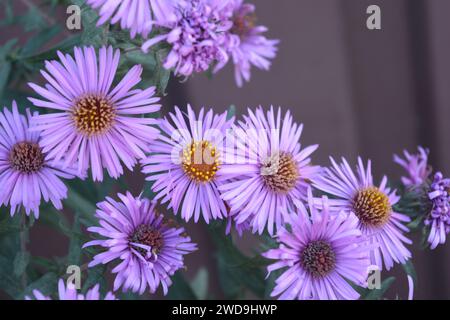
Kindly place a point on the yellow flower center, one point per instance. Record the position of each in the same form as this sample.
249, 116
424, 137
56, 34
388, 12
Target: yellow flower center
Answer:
93, 114
372, 207
200, 161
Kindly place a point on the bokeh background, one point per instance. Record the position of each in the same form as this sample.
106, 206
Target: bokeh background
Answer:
357, 91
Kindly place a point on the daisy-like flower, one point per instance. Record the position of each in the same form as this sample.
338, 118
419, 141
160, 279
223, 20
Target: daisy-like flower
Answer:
69, 292
373, 206
416, 165
136, 15
439, 217
248, 44
148, 248
26, 175
197, 37
185, 161
321, 252
270, 170
96, 125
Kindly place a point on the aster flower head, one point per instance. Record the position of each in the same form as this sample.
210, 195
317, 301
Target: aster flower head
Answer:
197, 37
69, 292
149, 249
185, 163
320, 253
373, 206
416, 165
270, 172
136, 15
26, 175
438, 218
248, 46
96, 124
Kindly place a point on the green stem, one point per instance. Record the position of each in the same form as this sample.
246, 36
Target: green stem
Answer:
23, 244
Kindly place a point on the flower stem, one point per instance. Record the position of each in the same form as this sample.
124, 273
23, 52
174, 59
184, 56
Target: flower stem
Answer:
23, 244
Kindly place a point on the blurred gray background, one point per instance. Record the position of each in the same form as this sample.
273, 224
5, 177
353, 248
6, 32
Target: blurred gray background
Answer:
358, 92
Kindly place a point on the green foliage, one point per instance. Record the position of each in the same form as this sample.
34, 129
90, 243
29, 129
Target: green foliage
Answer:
237, 271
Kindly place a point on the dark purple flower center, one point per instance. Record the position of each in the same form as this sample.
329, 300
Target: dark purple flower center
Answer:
318, 258
26, 157
149, 236
93, 114
280, 172
372, 207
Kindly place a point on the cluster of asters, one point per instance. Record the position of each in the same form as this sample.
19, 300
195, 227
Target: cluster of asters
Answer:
432, 190
262, 182
202, 34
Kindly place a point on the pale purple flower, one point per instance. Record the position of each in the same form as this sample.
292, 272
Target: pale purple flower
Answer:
439, 217
185, 161
248, 45
416, 165
136, 15
270, 171
69, 292
149, 249
96, 125
319, 254
26, 175
373, 205
197, 37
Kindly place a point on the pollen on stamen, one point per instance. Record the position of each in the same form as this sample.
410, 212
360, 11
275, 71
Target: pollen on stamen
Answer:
372, 207
93, 114
280, 172
200, 161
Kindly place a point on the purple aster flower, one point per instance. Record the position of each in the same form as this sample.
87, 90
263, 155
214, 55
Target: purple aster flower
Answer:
321, 252
416, 165
136, 15
69, 292
439, 217
26, 174
248, 45
185, 162
270, 171
197, 37
373, 205
96, 125
148, 248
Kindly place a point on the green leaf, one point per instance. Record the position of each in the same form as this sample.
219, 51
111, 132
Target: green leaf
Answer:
5, 70
7, 227
95, 275
20, 263
51, 54
9, 283
231, 111
85, 208
47, 285
76, 241
377, 294
7, 48
36, 42
180, 288
409, 269
200, 284
237, 271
